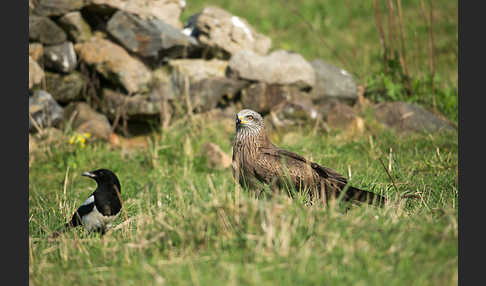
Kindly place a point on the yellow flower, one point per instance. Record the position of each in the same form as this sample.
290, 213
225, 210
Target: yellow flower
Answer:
80, 139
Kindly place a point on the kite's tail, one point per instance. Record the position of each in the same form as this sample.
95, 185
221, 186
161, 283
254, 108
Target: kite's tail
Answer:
355, 194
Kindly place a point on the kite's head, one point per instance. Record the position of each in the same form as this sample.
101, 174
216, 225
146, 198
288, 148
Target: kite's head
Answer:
250, 119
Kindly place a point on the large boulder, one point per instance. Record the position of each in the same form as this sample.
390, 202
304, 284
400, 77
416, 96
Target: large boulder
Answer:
207, 93
404, 116
36, 74
262, 97
292, 113
166, 10
219, 30
60, 58
55, 7
45, 31
340, 115
206, 82
332, 83
66, 88
198, 69
83, 118
146, 37
76, 26
141, 106
115, 64
161, 82
44, 111
136, 106
279, 67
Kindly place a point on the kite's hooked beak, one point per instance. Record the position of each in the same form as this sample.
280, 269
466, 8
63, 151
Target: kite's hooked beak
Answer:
89, 174
240, 120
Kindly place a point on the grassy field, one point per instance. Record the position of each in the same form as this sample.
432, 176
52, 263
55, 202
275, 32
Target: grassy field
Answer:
187, 224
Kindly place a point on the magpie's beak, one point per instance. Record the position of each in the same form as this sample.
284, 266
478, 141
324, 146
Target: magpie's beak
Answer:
89, 174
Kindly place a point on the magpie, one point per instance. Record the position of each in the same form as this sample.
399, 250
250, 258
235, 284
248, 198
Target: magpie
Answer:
99, 211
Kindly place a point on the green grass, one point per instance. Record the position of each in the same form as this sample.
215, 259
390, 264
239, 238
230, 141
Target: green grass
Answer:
188, 225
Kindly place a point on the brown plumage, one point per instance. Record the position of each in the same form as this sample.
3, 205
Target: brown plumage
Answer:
256, 160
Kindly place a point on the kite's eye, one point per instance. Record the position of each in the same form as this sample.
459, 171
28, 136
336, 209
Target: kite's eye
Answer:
250, 117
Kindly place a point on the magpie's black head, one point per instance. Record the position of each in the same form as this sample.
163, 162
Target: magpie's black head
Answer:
103, 177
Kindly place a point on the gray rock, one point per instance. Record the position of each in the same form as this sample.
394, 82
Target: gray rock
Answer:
219, 30
83, 118
288, 114
36, 74
262, 97
207, 93
44, 111
340, 115
65, 88
198, 69
44, 30
160, 76
207, 82
115, 64
279, 67
139, 105
61, 58
76, 26
404, 116
166, 10
146, 37
204, 95
333, 83
161, 83
56, 7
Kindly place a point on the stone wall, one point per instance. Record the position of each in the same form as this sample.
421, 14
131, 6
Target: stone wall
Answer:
95, 63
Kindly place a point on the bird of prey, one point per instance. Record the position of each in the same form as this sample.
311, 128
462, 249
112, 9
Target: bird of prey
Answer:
99, 211
257, 161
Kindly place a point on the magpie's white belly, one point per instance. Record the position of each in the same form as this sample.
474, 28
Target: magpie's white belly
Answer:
95, 220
